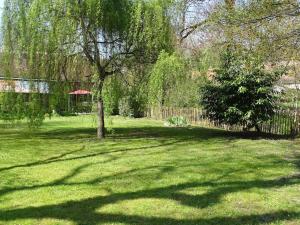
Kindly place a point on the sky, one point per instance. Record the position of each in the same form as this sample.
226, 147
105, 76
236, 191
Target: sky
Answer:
1, 7
1, 4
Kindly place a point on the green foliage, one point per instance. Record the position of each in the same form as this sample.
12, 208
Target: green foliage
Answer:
171, 82
35, 112
125, 98
56, 39
176, 121
290, 99
16, 106
162, 77
12, 107
132, 105
125, 108
208, 58
59, 99
112, 93
241, 92
266, 28
138, 102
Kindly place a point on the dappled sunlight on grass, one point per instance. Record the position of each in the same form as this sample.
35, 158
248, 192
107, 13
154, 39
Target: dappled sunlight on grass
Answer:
144, 173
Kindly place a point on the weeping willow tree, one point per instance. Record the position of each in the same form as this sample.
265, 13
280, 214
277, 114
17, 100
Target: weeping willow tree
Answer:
173, 82
43, 35
16, 106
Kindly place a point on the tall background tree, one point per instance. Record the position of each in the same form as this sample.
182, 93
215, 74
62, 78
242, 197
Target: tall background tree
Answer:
105, 33
91, 40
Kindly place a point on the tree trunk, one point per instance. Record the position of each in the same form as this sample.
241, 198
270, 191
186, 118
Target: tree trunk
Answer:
100, 109
257, 128
100, 114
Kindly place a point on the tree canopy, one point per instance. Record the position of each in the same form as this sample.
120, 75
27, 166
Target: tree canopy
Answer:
103, 34
140, 53
241, 92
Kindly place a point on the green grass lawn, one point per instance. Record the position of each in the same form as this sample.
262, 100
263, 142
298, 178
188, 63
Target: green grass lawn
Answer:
144, 173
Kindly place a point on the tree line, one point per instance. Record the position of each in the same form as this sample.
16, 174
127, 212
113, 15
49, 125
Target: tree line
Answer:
209, 53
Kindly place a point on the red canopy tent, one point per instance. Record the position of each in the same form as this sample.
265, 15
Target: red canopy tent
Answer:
80, 92
77, 93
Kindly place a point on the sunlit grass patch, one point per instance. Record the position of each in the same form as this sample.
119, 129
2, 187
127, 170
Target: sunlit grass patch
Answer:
144, 173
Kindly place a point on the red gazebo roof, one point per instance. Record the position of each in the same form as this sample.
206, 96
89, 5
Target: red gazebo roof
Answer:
80, 92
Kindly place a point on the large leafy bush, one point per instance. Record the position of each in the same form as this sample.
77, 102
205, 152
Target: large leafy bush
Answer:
241, 92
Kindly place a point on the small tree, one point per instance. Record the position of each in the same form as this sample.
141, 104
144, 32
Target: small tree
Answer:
241, 92
165, 75
171, 82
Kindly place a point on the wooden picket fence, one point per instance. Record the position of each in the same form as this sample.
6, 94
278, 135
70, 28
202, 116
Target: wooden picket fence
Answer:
284, 122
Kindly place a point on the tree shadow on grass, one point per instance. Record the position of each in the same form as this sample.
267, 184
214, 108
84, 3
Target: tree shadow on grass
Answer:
165, 136
194, 133
157, 132
85, 211
62, 157
143, 132
51, 159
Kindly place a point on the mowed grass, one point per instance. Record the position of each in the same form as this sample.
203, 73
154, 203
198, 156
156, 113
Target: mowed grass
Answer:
144, 173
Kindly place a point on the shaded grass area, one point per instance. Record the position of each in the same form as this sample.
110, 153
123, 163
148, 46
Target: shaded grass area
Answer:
144, 173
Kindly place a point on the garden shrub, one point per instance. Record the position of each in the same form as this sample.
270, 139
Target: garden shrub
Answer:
125, 108
241, 92
176, 121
